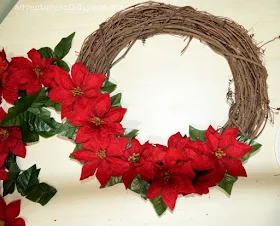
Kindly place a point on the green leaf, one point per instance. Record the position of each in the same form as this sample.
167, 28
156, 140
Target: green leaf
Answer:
108, 87
63, 47
255, 146
63, 64
116, 100
42, 194
67, 130
159, 205
46, 52
196, 134
28, 136
8, 187
139, 186
28, 180
55, 106
11, 164
227, 183
130, 133
113, 181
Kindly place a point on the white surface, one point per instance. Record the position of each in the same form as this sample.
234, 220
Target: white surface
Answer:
277, 146
164, 93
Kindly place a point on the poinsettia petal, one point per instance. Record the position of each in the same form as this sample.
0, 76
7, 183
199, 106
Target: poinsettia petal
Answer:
21, 62
84, 134
84, 156
117, 146
238, 150
92, 145
89, 169
93, 81
183, 169
12, 211
234, 167
78, 72
3, 157
199, 161
18, 222
19, 149
78, 118
104, 173
118, 166
174, 140
91, 93
59, 94
112, 128
146, 171
228, 137
114, 115
35, 56
2, 114
169, 197
154, 190
128, 177
212, 138
15, 133
102, 105
200, 147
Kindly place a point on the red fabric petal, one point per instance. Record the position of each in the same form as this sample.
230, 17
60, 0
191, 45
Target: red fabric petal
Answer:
200, 147
84, 134
93, 81
79, 73
212, 137
238, 150
19, 150
128, 177
118, 166
12, 211
59, 94
111, 128
84, 156
199, 161
228, 137
154, 190
174, 140
104, 173
234, 167
102, 105
21, 62
2, 114
146, 171
183, 169
90, 93
15, 133
77, 118
89, 169
3, 157
18, 222
117, 146
35, 56
114, 115
169, 197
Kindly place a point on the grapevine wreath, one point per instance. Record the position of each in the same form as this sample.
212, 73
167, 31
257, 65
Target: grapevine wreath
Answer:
188, 164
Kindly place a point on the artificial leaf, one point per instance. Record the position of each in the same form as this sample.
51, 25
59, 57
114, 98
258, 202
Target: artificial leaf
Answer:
63, 64
113, 181
159, 205
196, 134
63, 47
108, 87
28, 136
255, 146
139, 186
28, 180
8, 187
42, 194
67, 130
116, 100
46, 52
56, 106
130, 133
12, 166
227, 183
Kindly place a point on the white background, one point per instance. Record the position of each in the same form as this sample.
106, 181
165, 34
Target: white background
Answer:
164, 93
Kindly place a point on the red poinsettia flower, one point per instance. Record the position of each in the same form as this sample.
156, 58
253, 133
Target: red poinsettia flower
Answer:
172, 176
3, 62
75, 91
31, 75
99, 121
139, 158
9, 85
198, 160
226, 150
10, 141
103, 157
9, 213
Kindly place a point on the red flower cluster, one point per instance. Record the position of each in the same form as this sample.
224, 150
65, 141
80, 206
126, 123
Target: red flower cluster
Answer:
10, 141
9, 213
181, 168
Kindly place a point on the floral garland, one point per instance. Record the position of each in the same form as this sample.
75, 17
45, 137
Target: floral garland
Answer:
92, 119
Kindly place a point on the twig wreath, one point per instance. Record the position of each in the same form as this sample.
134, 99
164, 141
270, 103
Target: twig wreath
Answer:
92, 116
